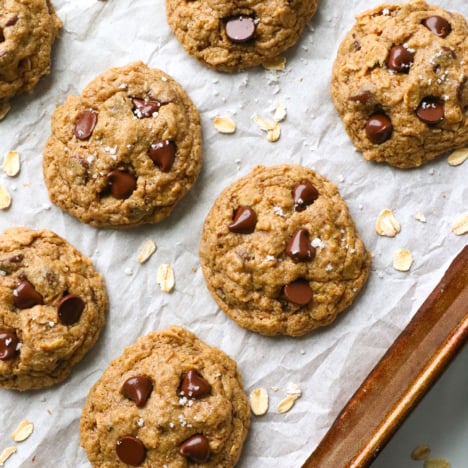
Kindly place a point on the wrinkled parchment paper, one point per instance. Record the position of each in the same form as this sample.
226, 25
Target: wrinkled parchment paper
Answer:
329, 364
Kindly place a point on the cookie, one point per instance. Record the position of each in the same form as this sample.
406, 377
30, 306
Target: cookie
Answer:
280, 252
399, 83
169, 400
28, 29
52, 308
126, 151
231, 36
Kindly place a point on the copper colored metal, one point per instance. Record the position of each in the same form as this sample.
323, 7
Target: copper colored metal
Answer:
402, 377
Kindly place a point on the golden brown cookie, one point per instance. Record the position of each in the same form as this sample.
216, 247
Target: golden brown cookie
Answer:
28, 29
280, 252
169, 400
52, 308
126, 151
399, 83
231, 36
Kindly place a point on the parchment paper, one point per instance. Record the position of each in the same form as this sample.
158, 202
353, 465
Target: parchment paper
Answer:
329, 364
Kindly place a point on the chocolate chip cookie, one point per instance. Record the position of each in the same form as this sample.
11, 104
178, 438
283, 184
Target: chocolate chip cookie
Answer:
232, 36
28, 29
52, 308
400, 83
280, 252
126, 151
169, 400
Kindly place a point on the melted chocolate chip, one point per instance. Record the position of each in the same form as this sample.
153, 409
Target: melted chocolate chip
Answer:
194, 385
122, 184
144, 108
137, 389
163, 154
8, 343
400, 59
438, 26
196, 449
431, 110
240, 29
299, 247
130, 450
363, 97
85, 124
379, 129
298, 292
244, 221
304, 195
2, 39
70, 309
11, 21
25, 296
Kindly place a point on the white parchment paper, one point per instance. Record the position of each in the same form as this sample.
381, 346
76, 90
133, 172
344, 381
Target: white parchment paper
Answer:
329, 364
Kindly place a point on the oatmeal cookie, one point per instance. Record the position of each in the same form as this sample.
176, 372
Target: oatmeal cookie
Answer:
169, 400
280, 252
28, 29
400, 83
231, 36
52, 308
126, 151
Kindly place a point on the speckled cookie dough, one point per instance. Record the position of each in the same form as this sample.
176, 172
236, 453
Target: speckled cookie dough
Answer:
399, 83
169, 400
280, 252
52, 310
28, 29
126, 151
231, 36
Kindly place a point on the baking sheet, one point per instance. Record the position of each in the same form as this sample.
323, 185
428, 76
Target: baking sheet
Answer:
329, 364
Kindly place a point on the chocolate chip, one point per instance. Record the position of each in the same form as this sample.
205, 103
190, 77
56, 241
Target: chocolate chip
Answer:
299, 247
194, 385
379, 129
196, 449
357, 46
11, 21
400, 59
70, 309
431, 110
298, 292
304, 195
438, 25
25, 296
122, 184
240, 29
163, 154
244, 221
363, 97
85, 123
2, 39
8, 343
137, 389
131, 450
144, 108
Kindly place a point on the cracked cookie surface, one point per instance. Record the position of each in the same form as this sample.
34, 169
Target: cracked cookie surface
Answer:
28, 29
53, 305
280, 252
232, 36
125, 151
169, 400
400, 83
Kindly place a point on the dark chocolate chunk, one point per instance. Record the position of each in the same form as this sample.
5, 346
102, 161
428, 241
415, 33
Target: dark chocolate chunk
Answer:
245, 220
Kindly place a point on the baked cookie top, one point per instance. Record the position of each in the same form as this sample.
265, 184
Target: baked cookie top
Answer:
399, 83
28, 28
169, 400
126, 151
52, 307
280, 252
231, 36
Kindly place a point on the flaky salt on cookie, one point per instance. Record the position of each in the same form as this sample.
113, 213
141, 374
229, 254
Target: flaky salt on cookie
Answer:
280, 252
399, 83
